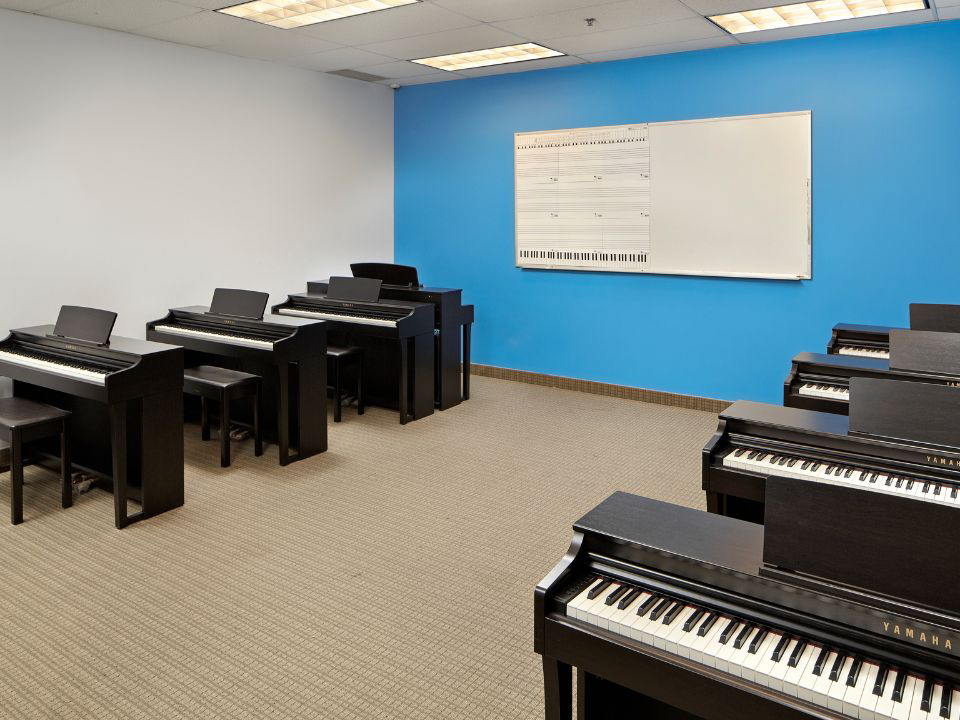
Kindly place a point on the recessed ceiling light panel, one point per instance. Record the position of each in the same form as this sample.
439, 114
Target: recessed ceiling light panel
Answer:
491, 56
808, 13
288, 14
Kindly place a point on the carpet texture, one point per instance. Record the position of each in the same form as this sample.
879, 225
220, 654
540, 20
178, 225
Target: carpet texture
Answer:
391, 577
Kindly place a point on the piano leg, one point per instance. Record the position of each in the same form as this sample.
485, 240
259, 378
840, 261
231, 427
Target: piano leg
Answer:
466, 361
224, 429
118, 432
557, 689
257, 435
66, 482
283, 412
423, 391
204, 419
714, 503
403, 380
16, 478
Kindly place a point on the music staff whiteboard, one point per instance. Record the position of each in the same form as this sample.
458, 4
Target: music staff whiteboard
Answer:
724, 196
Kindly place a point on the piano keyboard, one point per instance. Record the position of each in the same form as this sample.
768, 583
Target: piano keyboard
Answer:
829, 677
214, 335
56, 367
821, 390
864, 351
343, 317
793, 466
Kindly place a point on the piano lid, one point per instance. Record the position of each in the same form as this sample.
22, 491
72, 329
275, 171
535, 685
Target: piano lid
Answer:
845, 362
938, 318
118, 343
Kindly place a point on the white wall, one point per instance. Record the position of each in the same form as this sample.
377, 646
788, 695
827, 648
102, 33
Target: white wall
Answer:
137, 175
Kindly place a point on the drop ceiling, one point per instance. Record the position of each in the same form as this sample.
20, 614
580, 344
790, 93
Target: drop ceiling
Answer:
383, 43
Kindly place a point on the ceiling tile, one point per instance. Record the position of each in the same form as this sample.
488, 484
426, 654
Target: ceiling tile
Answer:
383, 25
268, 43
339, 59
640, 36
476, 37
683, 46
119, 14
29, 5
542, 64
209, 4
401, 69
201, 29
609, 16
838, 26
433, 77
720, 7
950, 13
496, 10
945, 3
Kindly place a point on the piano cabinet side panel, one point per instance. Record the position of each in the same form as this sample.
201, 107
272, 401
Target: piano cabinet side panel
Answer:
161, 452
599, 698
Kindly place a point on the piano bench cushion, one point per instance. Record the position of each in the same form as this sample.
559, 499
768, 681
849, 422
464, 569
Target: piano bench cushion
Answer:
17, 413
333, 351
196, 379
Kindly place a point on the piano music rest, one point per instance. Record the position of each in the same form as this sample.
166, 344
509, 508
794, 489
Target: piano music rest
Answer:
22, 421
224, 385
336, 356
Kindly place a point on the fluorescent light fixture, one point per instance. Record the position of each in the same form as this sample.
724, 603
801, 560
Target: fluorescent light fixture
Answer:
491, 56
808, 13
288, 14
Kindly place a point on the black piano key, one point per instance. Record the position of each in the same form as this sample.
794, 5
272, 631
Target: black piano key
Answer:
838, 471
753, 455
598, 588
927, 695
757, 641
888, 480
873, 478
782, 460
926, 487
898, 686
728, 631
739, 451
744, 634
671, 615
899, 482
797, 652
827, 470
945, 701
815, 467
693, 620
780, 648
854, 673
791, 462
615, 595
629, 598
821, 659
881, 680
936, 489
837, 667
707, 624
848, 473
661, 608
805, 465
910, 484
953, 494
648, 603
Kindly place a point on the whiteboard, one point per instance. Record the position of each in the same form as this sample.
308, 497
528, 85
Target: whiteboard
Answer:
722, 196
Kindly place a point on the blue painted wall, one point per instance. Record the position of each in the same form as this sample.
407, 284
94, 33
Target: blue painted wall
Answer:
886, 205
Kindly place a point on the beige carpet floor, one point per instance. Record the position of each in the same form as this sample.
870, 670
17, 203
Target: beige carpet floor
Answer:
391, 577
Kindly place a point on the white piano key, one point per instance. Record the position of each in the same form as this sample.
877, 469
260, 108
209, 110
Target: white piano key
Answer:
794, 676
839, 688
868, 701
699, 650
821, 688
852, 695
320, 315
216, 337
54, 368
750, 663
885, 704
767, 664
901, 709
779, 672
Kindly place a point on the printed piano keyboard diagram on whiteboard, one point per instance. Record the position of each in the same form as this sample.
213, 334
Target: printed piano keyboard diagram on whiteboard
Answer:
725, 196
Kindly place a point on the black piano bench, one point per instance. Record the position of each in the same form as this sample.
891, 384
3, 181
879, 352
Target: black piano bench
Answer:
224, 385
337, 358
22, 421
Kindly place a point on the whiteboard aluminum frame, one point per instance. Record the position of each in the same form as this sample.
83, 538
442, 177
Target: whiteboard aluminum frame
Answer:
762, 276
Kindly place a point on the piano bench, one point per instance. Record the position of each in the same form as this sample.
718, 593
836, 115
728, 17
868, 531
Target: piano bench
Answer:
337, 357
224, 385
22, 421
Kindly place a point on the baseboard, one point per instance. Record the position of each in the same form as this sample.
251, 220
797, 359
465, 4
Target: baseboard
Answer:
689, 402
